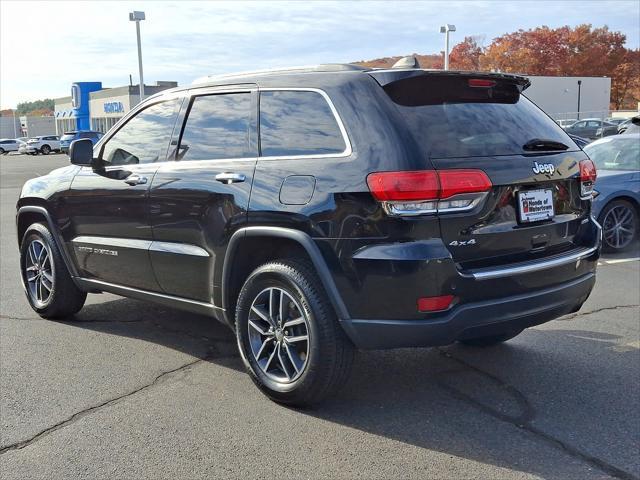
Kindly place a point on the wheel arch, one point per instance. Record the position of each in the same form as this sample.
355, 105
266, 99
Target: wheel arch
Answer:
293, 242
29, 214
627, 197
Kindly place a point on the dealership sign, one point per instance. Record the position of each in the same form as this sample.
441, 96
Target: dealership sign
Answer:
113, 107
76, 98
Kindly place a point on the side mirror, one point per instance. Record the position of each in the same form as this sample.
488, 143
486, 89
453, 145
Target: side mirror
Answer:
81, 152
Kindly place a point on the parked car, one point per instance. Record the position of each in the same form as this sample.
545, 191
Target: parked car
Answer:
69, 137
617, 190
9, 145
616, 121
592, 128
632, 125
567, 122
420, 215
581, 142
44, 144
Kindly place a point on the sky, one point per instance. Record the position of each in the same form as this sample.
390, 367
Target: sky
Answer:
64, 42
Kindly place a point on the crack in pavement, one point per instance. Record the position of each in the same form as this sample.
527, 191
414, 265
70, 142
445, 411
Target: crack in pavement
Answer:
597, 310
87, 411
524, 421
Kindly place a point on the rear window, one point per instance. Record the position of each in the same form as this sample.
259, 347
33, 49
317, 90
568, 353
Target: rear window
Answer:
294, 123
451, 119
68, 136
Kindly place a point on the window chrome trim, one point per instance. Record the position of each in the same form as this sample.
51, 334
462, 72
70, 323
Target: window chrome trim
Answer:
529, 267
150, 245
343, 131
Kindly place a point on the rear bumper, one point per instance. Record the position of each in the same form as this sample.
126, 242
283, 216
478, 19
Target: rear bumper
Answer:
473, 319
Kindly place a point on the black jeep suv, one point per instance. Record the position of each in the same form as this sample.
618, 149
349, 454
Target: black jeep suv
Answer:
320, 210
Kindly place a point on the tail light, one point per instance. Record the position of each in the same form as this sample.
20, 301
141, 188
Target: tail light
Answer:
428, 191
588, 176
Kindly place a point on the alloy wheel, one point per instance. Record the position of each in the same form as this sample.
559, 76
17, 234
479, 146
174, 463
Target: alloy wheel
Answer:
39, 273
279, 335
619, 227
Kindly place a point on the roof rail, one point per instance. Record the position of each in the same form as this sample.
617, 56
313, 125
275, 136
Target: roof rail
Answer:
328, 67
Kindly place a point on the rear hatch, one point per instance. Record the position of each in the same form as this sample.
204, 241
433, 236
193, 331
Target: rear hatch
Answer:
534, 206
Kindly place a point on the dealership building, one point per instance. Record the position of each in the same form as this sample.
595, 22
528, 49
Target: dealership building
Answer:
92, 107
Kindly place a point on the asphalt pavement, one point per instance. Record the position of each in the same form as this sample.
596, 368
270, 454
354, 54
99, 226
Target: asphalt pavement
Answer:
135, 390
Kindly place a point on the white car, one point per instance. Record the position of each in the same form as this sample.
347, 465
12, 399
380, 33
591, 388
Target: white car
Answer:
44, 144
567, 122
9, 145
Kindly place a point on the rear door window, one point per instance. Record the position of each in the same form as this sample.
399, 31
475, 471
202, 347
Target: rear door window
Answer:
217, 127
451, 118
295, 123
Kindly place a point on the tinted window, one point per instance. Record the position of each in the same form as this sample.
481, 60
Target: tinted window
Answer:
217, 127
298, 123
450, 118
68, 136
144, 138
88, 135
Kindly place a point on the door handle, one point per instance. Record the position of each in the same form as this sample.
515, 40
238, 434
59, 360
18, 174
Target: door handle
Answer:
230, 177
135, 180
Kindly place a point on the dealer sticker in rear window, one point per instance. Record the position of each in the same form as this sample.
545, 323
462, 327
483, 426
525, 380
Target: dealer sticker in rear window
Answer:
535, 205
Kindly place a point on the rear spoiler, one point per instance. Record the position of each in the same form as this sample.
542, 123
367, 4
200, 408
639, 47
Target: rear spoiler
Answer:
386, 77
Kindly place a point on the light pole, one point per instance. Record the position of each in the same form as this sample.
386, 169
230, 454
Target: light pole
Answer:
137, 17
579, 87
446, 29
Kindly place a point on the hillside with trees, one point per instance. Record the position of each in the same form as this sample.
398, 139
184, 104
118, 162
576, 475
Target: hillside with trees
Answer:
36, 108
563, 51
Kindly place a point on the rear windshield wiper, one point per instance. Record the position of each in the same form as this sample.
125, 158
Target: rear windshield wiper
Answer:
542, 144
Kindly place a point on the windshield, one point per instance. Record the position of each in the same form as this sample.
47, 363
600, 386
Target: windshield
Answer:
618, 153
453, 118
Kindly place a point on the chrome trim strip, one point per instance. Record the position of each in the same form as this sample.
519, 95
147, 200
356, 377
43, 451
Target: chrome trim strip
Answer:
192, 305
348, 149
488, 274
178, 248
114, 242
155, 246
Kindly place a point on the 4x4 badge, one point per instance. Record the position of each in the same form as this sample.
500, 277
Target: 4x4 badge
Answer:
543, 168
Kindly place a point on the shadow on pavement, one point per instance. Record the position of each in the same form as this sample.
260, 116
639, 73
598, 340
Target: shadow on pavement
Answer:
434, 398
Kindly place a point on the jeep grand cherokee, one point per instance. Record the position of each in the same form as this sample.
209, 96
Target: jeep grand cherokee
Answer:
321, 210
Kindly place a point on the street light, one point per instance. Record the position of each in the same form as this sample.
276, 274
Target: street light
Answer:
446, 29
137, 17
579, 88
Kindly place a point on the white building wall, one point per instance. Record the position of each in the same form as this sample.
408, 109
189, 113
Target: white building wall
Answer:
558, 96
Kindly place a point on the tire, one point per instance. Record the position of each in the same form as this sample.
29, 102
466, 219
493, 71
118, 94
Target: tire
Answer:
42, 267
619, 220
2, 151
45, 149
491, 339
302, 372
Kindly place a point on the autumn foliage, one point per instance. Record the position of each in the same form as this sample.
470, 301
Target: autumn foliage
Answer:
563, 51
